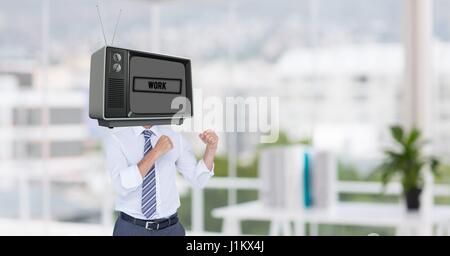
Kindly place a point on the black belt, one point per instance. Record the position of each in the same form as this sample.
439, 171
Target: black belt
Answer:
151, 224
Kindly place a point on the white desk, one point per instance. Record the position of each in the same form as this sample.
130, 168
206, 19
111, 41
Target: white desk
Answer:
351, 213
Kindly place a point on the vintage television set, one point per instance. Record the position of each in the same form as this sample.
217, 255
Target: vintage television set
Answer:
132, 88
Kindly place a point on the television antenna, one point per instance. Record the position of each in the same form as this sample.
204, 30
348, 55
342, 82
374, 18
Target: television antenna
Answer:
103, 28
115, 29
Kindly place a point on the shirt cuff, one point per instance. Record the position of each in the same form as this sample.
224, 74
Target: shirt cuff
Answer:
204, 169
131, 177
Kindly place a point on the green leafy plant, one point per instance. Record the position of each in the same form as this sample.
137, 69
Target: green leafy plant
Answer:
407, 160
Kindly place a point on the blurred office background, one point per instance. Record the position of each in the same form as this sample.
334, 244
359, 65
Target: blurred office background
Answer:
338, 66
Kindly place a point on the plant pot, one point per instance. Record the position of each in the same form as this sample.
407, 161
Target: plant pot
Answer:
412, 197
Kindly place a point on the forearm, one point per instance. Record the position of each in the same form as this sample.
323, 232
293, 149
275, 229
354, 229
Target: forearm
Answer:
147, 162
208, 157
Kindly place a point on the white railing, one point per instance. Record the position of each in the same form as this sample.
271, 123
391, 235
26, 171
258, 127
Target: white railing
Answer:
65, 170
198, 201
394, 188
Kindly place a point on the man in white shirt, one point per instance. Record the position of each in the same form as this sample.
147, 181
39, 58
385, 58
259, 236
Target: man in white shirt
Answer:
142, 162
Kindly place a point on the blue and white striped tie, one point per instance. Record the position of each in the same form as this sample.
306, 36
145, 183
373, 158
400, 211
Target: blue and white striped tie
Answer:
149, 183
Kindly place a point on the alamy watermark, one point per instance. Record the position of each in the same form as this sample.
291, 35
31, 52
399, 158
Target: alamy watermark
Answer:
231, 114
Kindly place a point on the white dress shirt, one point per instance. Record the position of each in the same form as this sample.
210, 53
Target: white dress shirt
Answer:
125, 148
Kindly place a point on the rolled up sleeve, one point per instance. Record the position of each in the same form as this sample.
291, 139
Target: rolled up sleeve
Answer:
125, 177
195, 172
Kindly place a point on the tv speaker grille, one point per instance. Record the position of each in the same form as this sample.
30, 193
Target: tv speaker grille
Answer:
116, 93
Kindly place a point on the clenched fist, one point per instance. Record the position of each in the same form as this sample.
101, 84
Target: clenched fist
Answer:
163, 145
210, 138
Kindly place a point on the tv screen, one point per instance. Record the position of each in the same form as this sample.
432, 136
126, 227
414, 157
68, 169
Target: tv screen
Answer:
154, 84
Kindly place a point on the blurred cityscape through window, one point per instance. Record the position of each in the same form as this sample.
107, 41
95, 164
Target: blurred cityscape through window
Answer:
337, 67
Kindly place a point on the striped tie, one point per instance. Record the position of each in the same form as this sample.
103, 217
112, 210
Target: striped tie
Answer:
149, 183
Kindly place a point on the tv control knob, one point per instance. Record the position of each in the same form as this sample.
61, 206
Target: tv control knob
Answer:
117, 57
116, 67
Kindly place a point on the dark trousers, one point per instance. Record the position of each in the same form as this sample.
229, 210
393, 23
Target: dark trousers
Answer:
125, 228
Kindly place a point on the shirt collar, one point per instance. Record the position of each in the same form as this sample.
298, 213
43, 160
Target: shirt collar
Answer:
139, 129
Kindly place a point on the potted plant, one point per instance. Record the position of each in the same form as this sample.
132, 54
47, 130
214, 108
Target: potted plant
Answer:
407, 160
